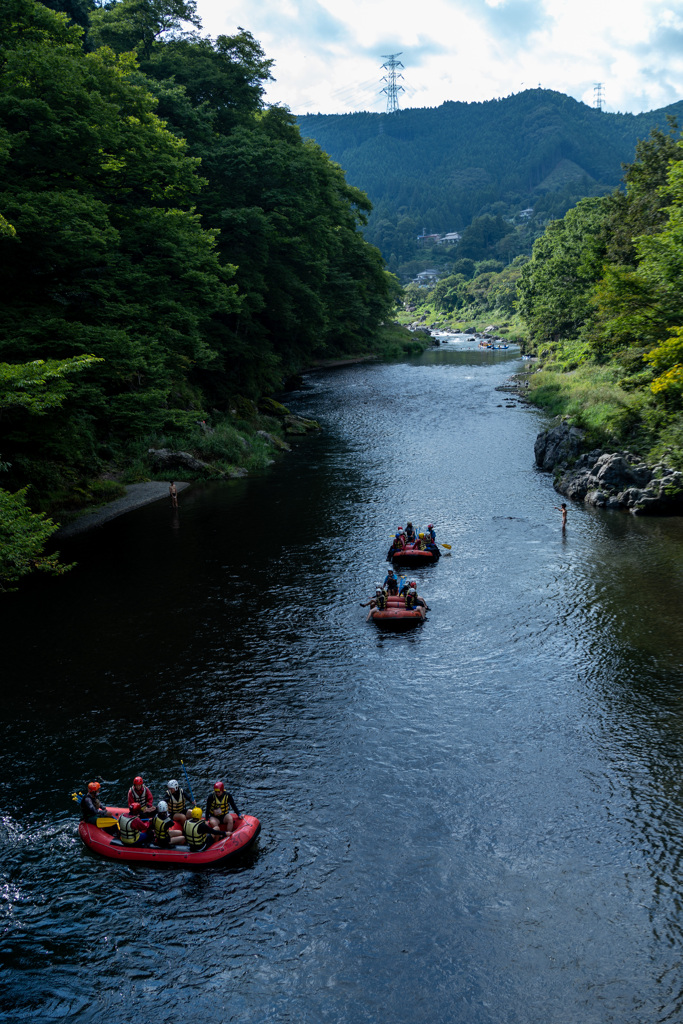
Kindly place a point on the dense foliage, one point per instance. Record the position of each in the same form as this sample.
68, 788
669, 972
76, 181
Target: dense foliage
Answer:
157, 216
602, 298
496, 171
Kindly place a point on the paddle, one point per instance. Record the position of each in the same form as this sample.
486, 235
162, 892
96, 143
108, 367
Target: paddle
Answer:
189, 785
106, 822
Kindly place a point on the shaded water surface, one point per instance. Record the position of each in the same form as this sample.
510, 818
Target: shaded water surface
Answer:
479, 821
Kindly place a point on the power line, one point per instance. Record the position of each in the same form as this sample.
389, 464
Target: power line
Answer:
392, 89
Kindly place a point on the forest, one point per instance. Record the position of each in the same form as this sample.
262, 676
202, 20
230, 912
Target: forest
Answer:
171, 250
497, 172
602, 301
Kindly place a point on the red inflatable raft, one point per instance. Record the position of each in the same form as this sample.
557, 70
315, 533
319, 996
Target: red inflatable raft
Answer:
396, 615
414, 557
246, 830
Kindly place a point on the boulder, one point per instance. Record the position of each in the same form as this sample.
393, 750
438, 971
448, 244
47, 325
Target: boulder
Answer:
614, 471
165, 459
275, 442
557, 446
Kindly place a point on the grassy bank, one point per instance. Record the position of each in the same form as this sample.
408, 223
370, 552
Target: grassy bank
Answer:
610, 402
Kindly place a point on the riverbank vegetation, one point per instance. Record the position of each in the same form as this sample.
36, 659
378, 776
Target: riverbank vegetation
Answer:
476, 295
603, 304
158, 218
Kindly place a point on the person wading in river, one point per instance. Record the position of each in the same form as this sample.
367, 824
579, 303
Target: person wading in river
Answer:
563, 510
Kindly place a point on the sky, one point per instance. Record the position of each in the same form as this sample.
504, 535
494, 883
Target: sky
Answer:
329, 53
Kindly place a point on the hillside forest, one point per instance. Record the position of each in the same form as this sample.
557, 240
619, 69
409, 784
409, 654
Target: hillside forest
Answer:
496, 173
171, 250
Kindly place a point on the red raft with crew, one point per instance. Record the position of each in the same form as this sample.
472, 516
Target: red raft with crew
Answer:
396, 604
408, 547
173, 832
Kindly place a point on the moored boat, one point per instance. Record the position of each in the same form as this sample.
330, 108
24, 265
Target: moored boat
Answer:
105, 843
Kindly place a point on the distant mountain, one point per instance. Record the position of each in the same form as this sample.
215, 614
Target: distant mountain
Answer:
434, 170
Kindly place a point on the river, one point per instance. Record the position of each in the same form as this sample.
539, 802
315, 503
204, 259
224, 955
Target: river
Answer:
478, 821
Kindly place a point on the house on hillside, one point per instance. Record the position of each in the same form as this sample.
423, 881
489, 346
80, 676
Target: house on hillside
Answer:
450, 239
426, 277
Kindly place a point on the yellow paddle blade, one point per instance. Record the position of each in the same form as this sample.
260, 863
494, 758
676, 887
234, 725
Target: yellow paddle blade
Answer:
106, 822
449, 546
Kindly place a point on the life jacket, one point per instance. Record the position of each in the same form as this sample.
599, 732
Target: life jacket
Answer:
421, 544
195, 840
410, 534
145, 800
219, 807
411, 600
161, 827
176, 805
381, 602
127, 834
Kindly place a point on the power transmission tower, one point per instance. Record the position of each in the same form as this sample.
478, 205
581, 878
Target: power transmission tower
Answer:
392, 89
598, 97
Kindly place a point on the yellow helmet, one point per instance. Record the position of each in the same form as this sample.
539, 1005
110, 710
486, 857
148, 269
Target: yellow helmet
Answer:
196, 812
421, 535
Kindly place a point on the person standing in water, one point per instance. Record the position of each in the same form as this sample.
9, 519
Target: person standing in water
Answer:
563, 510
173, 491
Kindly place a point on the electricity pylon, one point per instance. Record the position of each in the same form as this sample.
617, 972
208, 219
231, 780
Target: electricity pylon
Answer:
392, 89
598, 98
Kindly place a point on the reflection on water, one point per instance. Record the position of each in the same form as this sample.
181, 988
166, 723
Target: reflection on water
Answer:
477, 821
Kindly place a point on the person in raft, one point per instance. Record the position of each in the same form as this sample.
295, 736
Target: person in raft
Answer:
418, 600
197, 833
397, 544
165, 835
134, 830
421, 544
217, 808
91, 808
391, 583
431, 533
141, 794
410, 532
379, 601
176, 802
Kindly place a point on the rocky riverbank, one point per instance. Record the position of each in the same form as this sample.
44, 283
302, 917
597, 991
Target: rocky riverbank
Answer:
615, 480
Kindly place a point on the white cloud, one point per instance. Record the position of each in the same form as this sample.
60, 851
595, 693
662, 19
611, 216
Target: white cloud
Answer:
328, 53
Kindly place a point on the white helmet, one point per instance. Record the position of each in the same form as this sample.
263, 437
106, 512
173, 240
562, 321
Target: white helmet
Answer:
162, 807
173, 784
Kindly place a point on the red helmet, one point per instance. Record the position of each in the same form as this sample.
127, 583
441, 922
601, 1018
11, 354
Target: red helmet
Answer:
135, 808
138, 782
413, 583
219, 786
430, 526
93, 787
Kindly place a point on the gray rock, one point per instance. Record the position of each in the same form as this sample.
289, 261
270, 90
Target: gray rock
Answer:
557, 446
164, 458
275, 442
596, 498
614, 471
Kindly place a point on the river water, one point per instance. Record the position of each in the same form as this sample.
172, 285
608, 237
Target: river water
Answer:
478, 821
